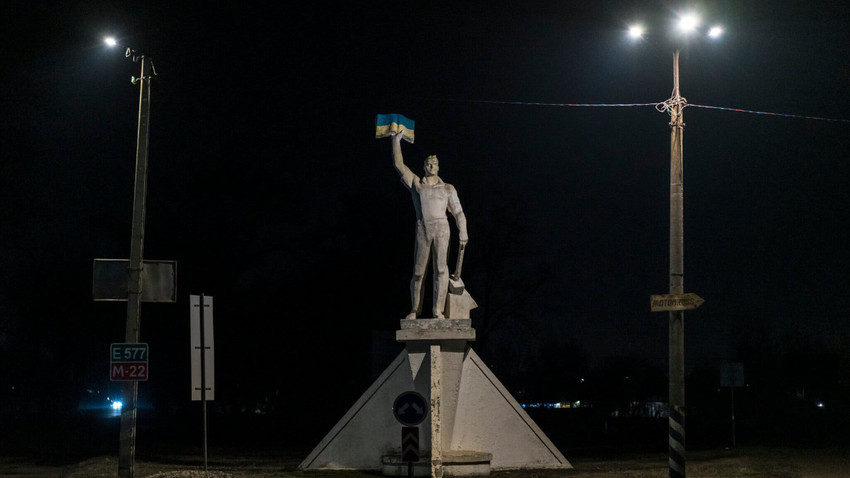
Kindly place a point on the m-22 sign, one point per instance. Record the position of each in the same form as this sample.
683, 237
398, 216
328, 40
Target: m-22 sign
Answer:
128, 362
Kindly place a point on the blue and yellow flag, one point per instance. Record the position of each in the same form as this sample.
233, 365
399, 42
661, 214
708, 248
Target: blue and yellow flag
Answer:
387, 125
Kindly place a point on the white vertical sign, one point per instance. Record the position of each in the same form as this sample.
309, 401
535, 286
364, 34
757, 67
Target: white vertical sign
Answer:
208, 347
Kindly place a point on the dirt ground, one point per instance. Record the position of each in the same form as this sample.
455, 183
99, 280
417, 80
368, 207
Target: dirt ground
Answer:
744, 462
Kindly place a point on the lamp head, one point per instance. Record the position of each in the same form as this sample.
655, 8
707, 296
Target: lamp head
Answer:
636, 31
688, 23
715, 32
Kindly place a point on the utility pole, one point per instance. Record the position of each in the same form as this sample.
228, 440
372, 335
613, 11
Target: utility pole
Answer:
677, 270
676, 302
127, 437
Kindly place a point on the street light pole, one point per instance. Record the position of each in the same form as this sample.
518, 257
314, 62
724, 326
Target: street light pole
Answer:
127, 436
676, 302
676, 434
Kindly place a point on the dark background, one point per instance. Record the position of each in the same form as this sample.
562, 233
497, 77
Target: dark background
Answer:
268, 188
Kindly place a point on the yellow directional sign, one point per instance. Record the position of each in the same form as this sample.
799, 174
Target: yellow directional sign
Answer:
669, 302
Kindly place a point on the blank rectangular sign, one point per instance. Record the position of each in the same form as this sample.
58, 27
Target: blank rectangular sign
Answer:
159, 280
208, 345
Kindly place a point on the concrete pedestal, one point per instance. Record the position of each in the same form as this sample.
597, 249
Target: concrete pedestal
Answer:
455, 463
473, 426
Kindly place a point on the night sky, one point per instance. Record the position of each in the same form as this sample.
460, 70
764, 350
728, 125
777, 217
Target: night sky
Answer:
268, 188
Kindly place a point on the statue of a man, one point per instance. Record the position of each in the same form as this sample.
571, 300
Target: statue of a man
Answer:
431, 198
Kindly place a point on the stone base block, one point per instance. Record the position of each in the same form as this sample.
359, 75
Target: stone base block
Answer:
455, 463
466, 463
391, 465
435, 329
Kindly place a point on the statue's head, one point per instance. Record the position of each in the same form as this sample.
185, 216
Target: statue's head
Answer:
431, 165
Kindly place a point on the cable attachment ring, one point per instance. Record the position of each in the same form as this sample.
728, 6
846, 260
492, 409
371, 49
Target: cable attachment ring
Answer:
669, 106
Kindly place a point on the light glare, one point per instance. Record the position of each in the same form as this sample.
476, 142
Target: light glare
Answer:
715, 32
636, 31
110, 41
116, 405
688, 23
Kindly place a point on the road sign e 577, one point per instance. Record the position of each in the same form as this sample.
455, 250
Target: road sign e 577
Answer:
128, 362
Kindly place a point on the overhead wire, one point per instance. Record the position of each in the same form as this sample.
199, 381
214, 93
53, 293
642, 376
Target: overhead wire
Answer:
663, 107
739, 110
529, 103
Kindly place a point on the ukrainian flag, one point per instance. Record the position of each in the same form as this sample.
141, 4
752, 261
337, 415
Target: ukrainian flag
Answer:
387, 125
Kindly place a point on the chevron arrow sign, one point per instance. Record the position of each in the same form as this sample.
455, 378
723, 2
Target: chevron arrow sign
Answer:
410, 444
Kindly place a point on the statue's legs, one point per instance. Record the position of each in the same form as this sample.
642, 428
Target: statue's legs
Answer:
440, 250
420, 264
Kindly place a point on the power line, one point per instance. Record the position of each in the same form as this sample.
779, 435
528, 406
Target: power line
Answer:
659, 106
738, 110
527, 103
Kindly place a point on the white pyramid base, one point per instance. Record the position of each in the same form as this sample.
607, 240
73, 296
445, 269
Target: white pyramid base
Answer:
472, 415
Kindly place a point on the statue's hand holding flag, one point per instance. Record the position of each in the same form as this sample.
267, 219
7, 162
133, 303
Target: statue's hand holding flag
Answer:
390, 124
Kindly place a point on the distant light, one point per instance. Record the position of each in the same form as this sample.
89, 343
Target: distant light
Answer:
688, 23
636, 31
116, 405
820, 404
110, 41
715, 32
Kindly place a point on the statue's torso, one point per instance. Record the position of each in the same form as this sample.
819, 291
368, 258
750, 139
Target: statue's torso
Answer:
433, 200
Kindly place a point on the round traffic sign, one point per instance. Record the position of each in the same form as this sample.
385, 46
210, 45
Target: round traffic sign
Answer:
410, 408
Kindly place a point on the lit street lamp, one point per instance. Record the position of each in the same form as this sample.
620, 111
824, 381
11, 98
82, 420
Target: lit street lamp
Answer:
687, 25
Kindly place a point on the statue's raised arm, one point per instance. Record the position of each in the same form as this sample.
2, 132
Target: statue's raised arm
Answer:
406, 174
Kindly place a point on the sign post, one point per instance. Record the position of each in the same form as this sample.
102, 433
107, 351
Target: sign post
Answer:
732, 375
203, 367
410, 409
